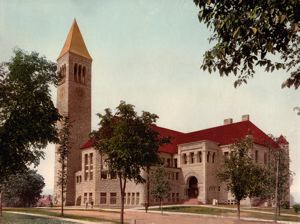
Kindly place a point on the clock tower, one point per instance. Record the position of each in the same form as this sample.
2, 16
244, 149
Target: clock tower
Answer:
74, 100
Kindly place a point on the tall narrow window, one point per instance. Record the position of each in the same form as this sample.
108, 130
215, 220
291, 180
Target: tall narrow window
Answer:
192, 157
175, 163
91, 166
137, 200
184, 159
207, 156
83, 75
79, 73
256, 156
85, 198
265, 158
168, 162
75, 72
128, 198
200, 157
213, 157
90, 197
132, 198
86, 167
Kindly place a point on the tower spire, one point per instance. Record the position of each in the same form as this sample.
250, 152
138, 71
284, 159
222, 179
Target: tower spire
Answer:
75, 43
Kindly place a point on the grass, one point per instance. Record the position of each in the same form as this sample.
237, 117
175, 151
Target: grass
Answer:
10, 218
227, 212
57, 214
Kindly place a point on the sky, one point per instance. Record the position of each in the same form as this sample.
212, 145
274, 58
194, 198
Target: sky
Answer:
149, 54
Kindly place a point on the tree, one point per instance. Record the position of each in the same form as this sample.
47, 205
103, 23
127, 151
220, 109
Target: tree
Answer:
23, 189
279, 175
27, 114
129, 143
161, 186
243, 178
63, 152
250, 33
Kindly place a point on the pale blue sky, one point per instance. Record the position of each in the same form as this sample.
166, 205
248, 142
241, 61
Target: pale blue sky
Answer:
148, 53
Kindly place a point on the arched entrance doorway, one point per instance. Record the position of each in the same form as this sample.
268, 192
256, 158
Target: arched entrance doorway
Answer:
193, 187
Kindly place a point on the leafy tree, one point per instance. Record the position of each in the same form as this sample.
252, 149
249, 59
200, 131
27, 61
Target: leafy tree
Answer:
23, 189
243, 177
279, 175
27, 114
63, 152
161, 186
129, 142
248, 34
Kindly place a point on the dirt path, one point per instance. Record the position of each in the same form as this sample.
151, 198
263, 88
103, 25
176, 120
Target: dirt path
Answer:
137, 217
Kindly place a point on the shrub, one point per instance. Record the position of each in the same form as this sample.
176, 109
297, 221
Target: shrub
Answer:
296, 208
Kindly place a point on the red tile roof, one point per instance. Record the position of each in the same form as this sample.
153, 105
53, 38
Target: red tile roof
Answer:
282, 140
88, 144
172, 146
224, 135
228, 134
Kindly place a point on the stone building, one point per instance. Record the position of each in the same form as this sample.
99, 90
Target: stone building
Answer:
191, 159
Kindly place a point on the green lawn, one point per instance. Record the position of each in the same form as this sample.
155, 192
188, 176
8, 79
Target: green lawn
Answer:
56, 214
10, 218
226, 212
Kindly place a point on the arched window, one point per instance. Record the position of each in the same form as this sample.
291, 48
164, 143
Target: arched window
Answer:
207, 156
83, 75
75, 72
79, 73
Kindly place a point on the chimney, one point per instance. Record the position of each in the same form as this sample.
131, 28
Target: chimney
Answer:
246, 117
228, 121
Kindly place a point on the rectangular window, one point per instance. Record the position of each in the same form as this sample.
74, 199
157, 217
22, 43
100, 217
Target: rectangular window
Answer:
102, 198
132, 198
175, 163
104, 175
137, 198
90, 197
128, 198
177, 197
256, 156
168, 162
177, 175
113, 175
113, 198
207, 157
85, 198
213, 158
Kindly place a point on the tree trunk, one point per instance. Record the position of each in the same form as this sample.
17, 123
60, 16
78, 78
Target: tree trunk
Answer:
122, 188
238, 209
161, 208
62, 200
276, 192
0, 203
148, 190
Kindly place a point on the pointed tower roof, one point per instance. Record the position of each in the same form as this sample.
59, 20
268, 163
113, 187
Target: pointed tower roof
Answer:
75, 43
